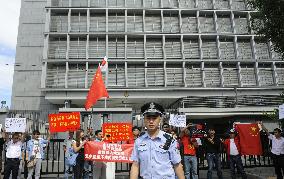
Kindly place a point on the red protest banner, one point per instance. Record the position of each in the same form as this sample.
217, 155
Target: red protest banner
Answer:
108, 152
115, 132
63, 122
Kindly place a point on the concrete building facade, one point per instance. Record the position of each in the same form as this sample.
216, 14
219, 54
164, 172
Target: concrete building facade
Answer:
198, 57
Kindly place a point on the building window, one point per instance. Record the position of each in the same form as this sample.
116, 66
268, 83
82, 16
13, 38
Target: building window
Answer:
97, 47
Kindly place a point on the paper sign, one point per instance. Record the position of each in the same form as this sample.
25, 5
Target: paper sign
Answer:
177, 120
15, 125
115, 132
281, 111
63, 122
107, 152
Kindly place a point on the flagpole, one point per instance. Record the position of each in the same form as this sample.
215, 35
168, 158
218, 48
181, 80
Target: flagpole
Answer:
105, 102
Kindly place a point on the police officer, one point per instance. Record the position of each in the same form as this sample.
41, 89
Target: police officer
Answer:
155, 154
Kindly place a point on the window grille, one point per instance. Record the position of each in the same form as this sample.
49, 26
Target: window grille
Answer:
79, 22
222, 4
152, 3
207, 24
59, 23
193, 76
97, 47
154, 48
205, 4
227, 50
191, 49
115, 3
280, 74
80, 3
136, 76
116, 48
190, 4
135, 48
77, 47
173, 48
60, 3
265, 76
76, 76
155, 76
57, 48
248, 76
98, 3
116, 75
170, 3
134, 3
261, 50
230, 75
55, 77
212, 77
174, 77
241, 25
238, 5
189, 24
171, 23
209, 49
244, 48
153, 23
134, 23
224, 24
116, 23
97, 23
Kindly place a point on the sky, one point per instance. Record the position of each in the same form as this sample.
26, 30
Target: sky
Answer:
9, 20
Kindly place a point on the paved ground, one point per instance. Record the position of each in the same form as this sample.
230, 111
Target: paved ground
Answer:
253, 173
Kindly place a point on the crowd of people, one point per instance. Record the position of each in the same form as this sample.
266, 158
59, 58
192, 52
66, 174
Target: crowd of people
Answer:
158, 153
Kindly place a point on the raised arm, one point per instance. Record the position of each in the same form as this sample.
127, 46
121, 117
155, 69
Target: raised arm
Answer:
75, 148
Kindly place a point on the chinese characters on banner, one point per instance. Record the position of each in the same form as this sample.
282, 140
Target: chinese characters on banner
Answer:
15, 124
115, 132
63, 122
107, 152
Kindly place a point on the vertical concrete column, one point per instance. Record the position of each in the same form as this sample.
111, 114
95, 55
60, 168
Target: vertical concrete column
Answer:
198, 22
215, 21
86, 74
252, 43
184, 73
45, 47
125, 46
180, 20
271, 55
232, 16
218, 47
69, 20
274, 74
236, 47
87, 46
182, 47
196, 3
164, 50
144, 46
256, 70
66, 74
146, 81
249, 22
165, 73
126, 74
200, 47
88, 19
43, 74
162, 21
125, 20
68, 46
213, 4
106, 18
143, 21
230, 4
221, 70
47, 20
202, 74
107, 45
239, 74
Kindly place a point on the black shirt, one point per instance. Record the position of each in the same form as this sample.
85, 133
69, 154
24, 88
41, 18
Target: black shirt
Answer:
212, 148
2, 142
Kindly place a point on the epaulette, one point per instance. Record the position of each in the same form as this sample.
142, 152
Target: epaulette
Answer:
169, 140
142, 133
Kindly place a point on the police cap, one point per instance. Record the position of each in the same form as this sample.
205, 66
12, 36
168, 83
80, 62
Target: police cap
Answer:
152, 109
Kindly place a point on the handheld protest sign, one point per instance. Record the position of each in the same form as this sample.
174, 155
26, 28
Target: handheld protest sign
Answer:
63, 122
15, 124
115, 132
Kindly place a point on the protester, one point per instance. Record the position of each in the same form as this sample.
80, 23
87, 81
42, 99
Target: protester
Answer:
190, 146
166, 128
135, 132
233, 149
78, 147
35, 153
212, 147
155, 152
2, 142
277, 150
67, 147
13, 155
99, 168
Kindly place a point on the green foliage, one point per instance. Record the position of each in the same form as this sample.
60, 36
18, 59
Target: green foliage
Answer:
268, 22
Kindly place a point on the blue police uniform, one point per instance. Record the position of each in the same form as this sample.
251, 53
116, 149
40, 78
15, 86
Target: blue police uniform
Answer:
155, 160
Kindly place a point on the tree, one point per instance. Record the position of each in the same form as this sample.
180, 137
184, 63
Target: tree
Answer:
268, 22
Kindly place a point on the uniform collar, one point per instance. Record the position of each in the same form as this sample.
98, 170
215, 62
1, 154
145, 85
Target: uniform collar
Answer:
160, 135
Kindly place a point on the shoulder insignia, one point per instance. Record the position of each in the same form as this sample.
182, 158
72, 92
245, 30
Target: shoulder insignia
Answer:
169, 140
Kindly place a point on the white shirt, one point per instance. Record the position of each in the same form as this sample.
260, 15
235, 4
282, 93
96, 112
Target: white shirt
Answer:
36, 149
14, 149
277, 145
233, 148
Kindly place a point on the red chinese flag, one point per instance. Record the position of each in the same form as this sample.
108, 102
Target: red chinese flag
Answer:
249, 139
97, 90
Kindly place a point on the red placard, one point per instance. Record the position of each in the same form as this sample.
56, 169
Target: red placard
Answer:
115, 132
108, 152
63, 122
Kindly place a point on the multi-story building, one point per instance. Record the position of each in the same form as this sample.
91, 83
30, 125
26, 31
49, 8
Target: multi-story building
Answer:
199, 57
